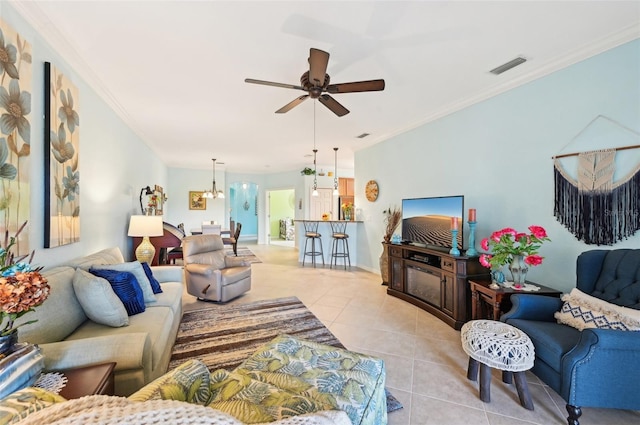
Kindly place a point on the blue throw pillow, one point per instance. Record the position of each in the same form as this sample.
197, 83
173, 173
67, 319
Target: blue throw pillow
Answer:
155, 285
126, 287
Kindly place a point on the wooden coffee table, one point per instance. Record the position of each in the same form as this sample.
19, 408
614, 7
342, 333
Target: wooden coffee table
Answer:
89, 380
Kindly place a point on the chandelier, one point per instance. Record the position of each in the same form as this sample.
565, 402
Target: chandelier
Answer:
214, 192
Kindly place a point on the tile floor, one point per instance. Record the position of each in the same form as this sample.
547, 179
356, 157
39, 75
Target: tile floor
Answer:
426, 367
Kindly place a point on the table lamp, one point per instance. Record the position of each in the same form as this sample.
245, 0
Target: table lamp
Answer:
145, 226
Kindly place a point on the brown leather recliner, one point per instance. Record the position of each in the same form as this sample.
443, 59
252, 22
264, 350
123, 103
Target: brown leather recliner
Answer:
209, 273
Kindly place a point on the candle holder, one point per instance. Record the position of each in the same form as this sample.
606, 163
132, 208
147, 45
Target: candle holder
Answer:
472, 252
454, 242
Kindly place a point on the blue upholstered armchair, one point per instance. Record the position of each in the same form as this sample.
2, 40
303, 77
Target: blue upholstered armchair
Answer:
592, 367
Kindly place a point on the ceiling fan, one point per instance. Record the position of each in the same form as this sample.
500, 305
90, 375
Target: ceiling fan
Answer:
316, 82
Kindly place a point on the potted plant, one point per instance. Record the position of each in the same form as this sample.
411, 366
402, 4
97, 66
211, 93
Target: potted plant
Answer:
515, 249
306, 171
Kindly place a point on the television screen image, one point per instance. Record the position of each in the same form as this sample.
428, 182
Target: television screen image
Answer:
427, 221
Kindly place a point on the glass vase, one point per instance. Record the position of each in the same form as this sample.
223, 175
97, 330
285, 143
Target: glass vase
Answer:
518, 269
8, 341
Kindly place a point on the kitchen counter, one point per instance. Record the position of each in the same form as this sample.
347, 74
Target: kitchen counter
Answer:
324, 228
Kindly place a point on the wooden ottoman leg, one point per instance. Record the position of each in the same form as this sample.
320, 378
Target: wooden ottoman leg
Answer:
507, 377
485, 383
523, 390
472, 369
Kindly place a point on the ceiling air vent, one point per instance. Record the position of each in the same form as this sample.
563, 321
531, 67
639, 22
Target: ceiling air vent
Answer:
362, 136
507, 66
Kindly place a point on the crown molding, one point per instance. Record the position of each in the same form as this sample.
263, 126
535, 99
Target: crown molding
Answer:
34, 15
586, 51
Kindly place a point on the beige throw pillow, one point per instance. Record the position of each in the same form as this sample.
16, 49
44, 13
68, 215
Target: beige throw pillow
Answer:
582, 311
98, 300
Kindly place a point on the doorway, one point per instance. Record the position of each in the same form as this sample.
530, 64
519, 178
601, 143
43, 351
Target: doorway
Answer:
280, 217
243, 208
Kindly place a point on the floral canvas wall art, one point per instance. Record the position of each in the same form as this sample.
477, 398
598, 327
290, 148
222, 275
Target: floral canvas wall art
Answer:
62, 169
15, 134
196, 201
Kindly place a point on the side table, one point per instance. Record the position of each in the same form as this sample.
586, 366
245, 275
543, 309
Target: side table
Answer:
488, 303
89, 380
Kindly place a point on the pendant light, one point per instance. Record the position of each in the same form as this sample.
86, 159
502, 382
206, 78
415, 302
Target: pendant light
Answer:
315, 180
214, 192
315, 151
336, 192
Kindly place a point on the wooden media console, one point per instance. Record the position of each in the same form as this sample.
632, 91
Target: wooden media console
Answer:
434, 280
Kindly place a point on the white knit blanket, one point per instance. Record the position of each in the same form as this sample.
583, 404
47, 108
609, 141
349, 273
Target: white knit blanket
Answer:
107, 410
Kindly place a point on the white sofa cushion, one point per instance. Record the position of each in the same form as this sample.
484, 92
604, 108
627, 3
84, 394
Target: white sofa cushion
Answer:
59, 315
106, 256
98, 300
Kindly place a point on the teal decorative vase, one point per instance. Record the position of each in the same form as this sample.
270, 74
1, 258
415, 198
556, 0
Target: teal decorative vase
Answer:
8, 341
518, 269
497, 276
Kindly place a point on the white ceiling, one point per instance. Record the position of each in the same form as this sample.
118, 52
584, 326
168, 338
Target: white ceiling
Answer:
175, 70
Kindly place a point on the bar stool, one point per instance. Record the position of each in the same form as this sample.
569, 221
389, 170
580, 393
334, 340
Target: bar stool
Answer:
340, 244
311, 233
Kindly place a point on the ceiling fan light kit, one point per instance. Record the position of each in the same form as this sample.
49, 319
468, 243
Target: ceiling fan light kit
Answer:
316, 82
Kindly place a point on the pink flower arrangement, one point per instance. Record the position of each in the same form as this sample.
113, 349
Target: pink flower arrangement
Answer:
507, 243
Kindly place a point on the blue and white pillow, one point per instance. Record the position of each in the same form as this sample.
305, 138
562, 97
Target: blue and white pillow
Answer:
582, 311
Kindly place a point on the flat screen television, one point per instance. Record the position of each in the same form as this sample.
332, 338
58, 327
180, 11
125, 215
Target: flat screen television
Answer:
427, 221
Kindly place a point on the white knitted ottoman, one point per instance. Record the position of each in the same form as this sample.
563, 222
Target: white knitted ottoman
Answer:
501, 346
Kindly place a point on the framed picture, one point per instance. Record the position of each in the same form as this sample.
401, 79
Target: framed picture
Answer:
61, 159
158, 199
15, 141
196, 201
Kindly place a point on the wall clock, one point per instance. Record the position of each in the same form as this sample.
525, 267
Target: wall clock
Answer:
371, 190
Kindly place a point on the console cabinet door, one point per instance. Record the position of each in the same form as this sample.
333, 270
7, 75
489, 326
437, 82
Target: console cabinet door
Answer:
447, 286
397, 274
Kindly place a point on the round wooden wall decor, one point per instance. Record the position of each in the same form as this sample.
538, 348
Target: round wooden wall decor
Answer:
371, 190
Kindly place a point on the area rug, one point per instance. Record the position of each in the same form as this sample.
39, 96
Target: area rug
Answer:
243, 252
223, 336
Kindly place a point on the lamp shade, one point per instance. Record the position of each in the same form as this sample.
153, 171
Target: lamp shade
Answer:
145, 225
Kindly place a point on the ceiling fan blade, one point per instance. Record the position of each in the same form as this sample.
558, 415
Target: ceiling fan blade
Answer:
318, 61
333, 105
289, 106
271, 83
358, 86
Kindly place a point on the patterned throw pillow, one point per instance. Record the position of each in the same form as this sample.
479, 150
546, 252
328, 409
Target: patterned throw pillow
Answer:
155, 285
134, 267
126, 287
188, 382
582, 311
22, 403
